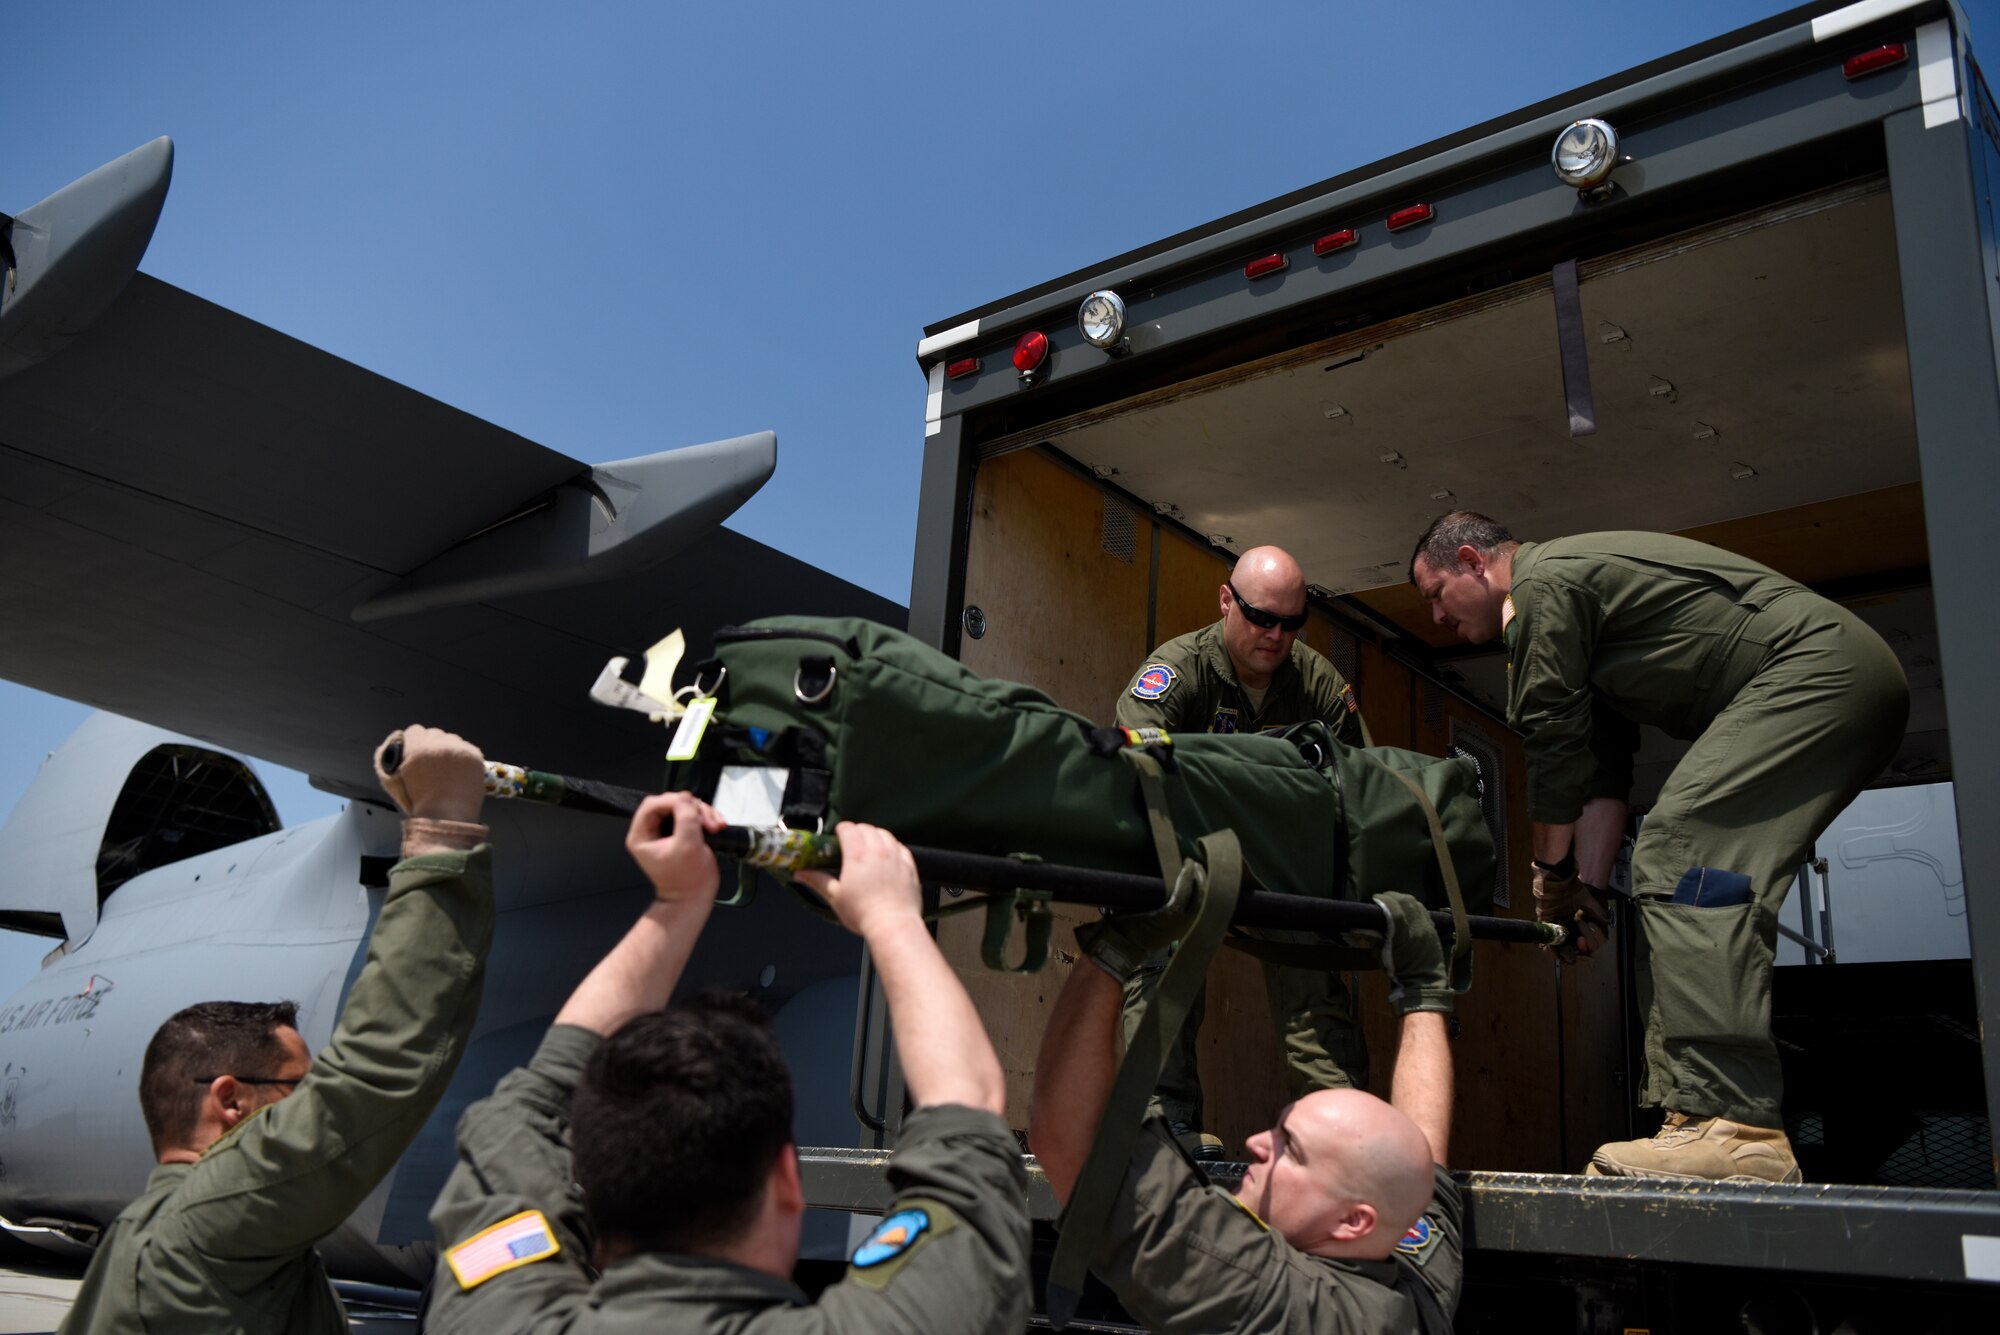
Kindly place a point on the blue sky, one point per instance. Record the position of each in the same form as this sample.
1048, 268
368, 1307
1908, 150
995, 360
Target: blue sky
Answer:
617, 228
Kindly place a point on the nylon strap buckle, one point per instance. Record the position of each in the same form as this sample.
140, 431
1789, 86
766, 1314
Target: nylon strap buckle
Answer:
1037, 923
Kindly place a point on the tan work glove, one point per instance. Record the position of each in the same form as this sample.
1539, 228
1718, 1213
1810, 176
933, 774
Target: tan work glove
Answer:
439, 784
1575, 905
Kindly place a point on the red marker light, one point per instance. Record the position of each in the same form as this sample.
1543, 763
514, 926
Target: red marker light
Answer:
1881, 58
1030, 351
1268, 264
1333, 241
962, 368
1410, 217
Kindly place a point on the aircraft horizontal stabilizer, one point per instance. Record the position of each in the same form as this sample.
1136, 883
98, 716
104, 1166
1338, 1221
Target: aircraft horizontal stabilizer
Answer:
618, 519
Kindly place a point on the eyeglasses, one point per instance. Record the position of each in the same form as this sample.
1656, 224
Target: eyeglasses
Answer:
248, 1080
1258, 617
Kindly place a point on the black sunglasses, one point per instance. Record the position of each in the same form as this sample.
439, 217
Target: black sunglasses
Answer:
1257, 616
247, 1080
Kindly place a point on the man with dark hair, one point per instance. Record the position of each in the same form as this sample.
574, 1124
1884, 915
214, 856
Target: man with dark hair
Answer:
1792, 705
264, 1149
211, 1035
1250, 672
690, 1205
1346, 1219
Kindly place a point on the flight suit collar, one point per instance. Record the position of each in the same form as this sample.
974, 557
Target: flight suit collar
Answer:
672, 1277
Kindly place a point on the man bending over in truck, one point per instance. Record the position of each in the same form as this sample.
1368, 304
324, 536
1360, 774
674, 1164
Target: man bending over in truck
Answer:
1346, 1219
1793, 705
680, 1121
265, 1149
1249, 672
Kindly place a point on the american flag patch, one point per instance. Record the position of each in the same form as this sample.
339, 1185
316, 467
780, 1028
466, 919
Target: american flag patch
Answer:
515, 1241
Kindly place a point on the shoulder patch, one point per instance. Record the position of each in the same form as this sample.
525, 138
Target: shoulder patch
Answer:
1347, 697
519, 1240
1154, 679
895, 1240
1225, 720
1419, 1241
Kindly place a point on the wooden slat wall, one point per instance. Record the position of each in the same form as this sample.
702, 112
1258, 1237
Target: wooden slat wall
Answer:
1067, 618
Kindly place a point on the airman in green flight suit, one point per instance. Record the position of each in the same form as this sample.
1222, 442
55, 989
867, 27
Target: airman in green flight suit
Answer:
1249, 673
1792, 705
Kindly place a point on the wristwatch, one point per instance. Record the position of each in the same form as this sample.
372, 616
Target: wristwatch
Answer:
1558, 871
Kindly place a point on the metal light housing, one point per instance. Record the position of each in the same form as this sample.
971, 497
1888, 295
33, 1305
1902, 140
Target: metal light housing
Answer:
1585, 154
1101, 318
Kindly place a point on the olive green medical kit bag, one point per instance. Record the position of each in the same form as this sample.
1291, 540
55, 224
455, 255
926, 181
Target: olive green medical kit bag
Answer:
845, 719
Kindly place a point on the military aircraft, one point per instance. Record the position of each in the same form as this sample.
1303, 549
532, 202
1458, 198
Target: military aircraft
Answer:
257, 548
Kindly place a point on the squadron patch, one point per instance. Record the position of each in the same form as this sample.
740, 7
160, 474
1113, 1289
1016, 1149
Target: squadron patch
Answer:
1418, 1242
897, 1238
1224, 721
1154, 679
519, 1240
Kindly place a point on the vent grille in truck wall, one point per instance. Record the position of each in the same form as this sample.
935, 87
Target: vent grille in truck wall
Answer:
1346, 654
1433, 706
1486, 751
1120, 536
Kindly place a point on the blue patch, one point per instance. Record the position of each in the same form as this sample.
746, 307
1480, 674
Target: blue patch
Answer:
891, 1238
1224, 721
1423, 1235
1154, 679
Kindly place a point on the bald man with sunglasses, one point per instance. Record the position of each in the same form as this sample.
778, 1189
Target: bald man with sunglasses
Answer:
1247, 673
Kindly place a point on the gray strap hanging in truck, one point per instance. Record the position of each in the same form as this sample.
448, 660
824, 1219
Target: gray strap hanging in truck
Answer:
1575, 352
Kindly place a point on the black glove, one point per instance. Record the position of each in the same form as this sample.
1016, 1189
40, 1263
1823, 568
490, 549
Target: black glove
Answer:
1419, 973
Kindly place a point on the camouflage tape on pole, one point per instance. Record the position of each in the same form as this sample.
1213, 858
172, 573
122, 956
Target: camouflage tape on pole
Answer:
1217, 871
776, 848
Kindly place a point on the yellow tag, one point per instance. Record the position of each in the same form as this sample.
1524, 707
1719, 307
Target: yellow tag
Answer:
687, 737
661, 662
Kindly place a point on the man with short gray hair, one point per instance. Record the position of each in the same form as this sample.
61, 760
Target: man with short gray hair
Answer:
1793, 706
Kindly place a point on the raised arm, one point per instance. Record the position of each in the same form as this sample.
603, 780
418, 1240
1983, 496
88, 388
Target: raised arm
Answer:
946, 1055
1073, 1074
1420, 992
512, 1182
293, 1172
640, 973
1422, 1089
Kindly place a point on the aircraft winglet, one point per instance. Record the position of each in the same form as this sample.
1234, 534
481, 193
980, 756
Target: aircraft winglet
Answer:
618, 519
65, 260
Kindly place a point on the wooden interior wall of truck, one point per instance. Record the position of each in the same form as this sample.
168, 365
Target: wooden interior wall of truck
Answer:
1064, 573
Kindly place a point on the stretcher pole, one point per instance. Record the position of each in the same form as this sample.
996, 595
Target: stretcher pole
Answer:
779, 849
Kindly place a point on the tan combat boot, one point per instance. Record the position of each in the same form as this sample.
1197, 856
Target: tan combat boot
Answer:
1712, 1149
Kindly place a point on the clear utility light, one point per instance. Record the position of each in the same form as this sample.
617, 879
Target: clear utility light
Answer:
1101, 317
1585, 154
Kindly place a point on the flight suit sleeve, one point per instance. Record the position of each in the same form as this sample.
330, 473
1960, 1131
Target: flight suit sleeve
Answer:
1550, 701
1434, 1249
514, 1164
952, 1253
1161, 699
1331, 697
294, 1170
